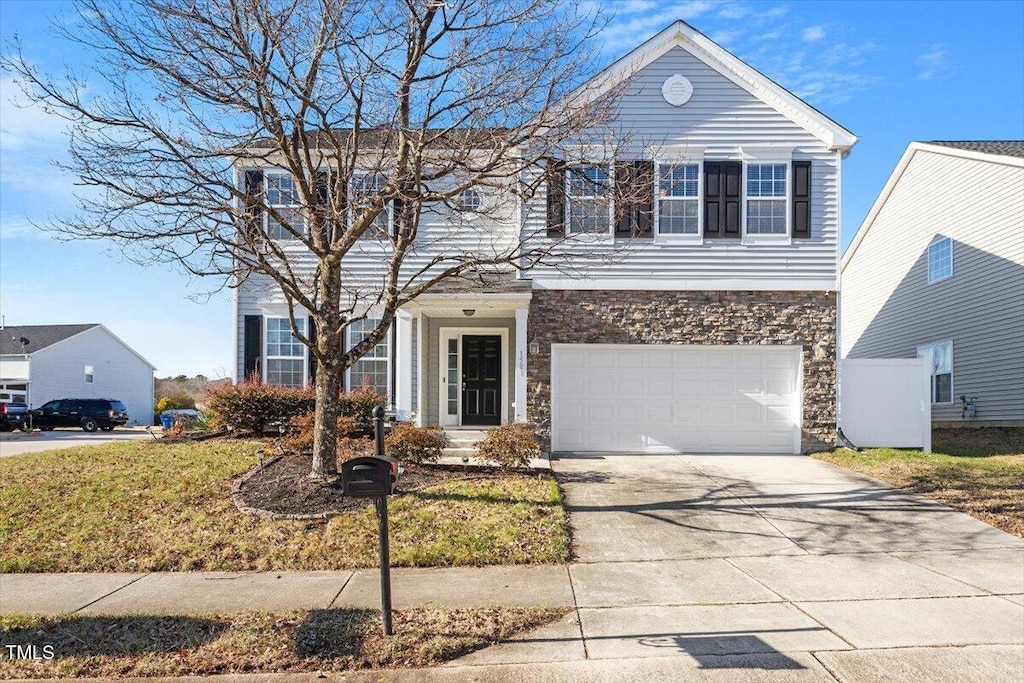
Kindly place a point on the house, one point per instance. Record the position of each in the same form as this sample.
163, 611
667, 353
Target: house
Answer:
711, 326
938, 267
40, 363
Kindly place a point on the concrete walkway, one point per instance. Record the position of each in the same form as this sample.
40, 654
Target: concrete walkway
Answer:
702, 568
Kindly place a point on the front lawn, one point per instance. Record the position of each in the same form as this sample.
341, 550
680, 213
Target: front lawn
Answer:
979, 472
148, 506
204, 645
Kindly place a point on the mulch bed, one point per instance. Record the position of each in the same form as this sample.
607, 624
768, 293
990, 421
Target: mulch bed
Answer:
283, 486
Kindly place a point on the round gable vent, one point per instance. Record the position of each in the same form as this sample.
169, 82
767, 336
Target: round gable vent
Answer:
677, 90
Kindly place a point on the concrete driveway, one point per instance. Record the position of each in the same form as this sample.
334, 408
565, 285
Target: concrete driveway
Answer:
778, 568
19, 443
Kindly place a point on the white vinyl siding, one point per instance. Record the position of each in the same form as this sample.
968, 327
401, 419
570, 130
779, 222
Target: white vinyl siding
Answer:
940, 260
888, 307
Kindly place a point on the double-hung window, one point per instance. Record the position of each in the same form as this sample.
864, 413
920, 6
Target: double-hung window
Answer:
588, 192
283, 198
365, 187
372, 369
940, 260
766, 199
286, 355
942, 370
678, 199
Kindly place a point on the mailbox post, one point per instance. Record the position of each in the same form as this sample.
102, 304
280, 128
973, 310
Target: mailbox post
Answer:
375, 477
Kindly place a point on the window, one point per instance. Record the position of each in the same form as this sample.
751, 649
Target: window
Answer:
452, 368
942, 370
283, 196
286, 355
588, 198
940, 260
469, 200
365, 188
678, 199
372, 369
766, 199
89, 373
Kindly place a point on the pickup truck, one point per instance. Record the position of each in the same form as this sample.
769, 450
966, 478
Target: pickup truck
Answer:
14, 416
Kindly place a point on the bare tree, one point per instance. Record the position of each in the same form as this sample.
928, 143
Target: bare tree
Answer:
373, 110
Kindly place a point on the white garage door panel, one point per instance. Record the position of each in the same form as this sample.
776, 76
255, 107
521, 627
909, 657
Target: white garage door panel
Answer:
671, 399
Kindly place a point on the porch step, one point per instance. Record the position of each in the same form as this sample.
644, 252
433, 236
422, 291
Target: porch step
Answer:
459, 452
464, 437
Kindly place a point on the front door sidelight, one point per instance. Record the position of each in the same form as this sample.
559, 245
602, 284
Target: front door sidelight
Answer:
481, 379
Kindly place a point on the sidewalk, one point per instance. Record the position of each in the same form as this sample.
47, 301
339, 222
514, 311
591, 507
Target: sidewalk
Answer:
230, 592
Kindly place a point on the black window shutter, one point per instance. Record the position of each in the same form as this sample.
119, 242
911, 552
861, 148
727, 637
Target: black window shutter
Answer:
252, 346
253, 188
625, 194
312, 356
801, 199
722, 198
555, 179
644, 174
323, 201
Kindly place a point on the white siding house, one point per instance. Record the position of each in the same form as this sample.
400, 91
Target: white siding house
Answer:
938, 265
75, 361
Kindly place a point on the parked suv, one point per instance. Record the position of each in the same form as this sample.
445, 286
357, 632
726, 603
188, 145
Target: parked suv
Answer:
88, 413
14, 416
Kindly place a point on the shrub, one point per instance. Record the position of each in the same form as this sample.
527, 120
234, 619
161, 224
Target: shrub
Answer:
175, 401
358, 404
510, 445
415, 444
300, 438
253, 406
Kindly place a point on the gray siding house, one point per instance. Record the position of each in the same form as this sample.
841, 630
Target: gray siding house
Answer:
708, 325
938, 266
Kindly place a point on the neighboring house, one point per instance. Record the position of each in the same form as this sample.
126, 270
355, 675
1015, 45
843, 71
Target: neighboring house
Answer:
40, 363
938, 266
711, 329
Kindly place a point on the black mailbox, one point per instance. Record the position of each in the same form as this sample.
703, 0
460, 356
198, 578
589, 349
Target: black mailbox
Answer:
369, 477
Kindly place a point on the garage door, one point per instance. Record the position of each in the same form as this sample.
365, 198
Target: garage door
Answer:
675, 399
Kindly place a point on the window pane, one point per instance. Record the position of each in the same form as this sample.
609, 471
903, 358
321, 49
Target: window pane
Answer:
766, 217
766, 180
281, 189
292, 218
940, 260
280, 340
589, 215
677, 216
360, 330
285, 372
588, 181
677, 180
943, 389
369, 373
365, 187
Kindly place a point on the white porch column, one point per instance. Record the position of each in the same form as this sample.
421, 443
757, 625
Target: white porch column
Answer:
521, 345
421, 402
403, 365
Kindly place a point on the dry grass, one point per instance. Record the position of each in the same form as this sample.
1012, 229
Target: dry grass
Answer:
165, 507
979, 472
318, 640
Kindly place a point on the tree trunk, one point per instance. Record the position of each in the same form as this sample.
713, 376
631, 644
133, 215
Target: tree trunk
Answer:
325, 426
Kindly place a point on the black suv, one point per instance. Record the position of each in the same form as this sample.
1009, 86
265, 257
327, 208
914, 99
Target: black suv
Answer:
88, 413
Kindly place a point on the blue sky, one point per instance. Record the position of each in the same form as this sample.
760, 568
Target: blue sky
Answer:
891, 72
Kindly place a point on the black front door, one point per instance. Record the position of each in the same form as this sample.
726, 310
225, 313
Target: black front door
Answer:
481, 379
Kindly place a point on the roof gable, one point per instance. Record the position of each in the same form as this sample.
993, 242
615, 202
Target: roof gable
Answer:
681, 34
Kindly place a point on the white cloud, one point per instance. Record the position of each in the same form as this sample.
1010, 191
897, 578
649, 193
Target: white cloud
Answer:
629, 26
812, 34
727, 37
24, 125
15, 227
933, 63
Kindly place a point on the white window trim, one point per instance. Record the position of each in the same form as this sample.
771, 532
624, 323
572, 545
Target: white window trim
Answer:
267, 172
756, 158
931, 371
567, 219
470, 214
267, 357
386, 360
929, 263
671, 237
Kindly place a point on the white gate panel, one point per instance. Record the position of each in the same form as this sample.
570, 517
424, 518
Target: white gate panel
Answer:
886, 402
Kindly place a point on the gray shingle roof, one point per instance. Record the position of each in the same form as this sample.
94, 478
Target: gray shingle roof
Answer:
1006, 148
39, 336
500, 282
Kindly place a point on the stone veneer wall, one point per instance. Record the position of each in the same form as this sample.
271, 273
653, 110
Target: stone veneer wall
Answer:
691, 317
